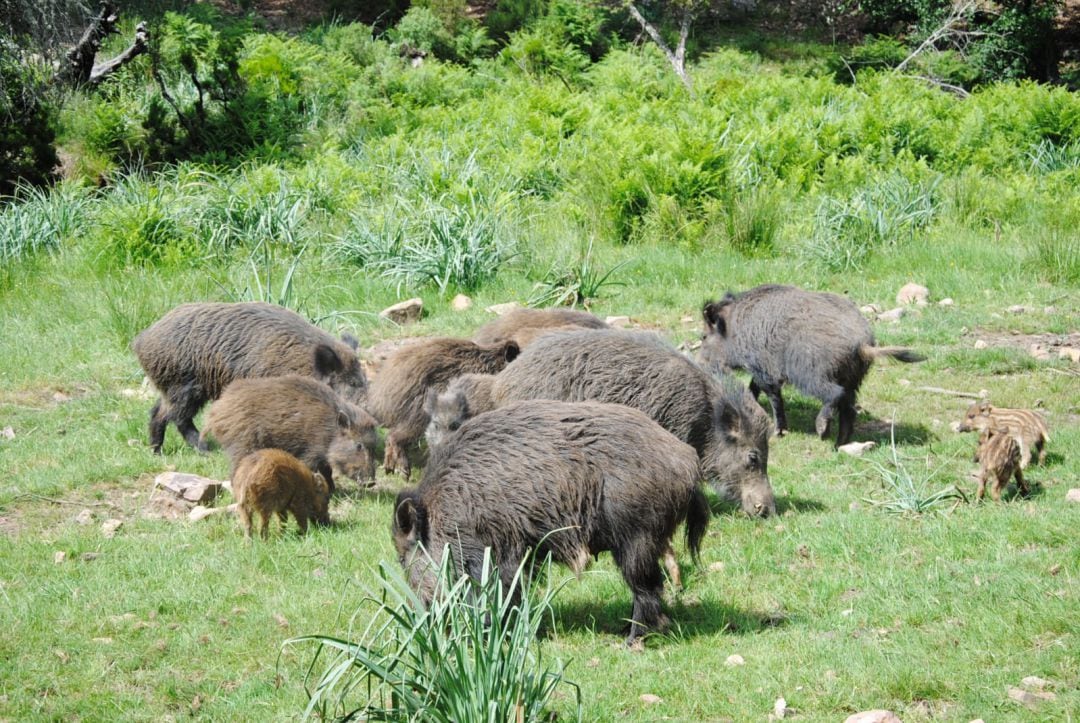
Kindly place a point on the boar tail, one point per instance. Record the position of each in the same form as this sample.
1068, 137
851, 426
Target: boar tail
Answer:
697, 521
899, 353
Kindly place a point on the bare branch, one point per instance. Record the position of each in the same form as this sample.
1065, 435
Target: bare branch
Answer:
139, 46
676, 57
951, 29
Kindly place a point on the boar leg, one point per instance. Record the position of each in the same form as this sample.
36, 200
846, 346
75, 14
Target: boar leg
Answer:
833, 398
1020, 483
642, 573
982, 487
672, 566
847, 423
996, 487
396, 458
184, 403
264, 531
772, 391
301, 518
159, 420
327, 472
1040, 447
245, 520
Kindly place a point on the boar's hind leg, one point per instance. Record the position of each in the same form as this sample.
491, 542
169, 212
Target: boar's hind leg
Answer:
184, 403
640, 569
847, 422
671, 564
159, 419
327, 472
1020, 483
833, 398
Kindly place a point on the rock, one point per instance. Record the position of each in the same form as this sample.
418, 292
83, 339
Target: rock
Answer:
1049, 310
593, 662
85, 517
7, 433
904, 382
1065, 352
780, 708
1034, 682
1017, 309
651, 699
892, 315
1029, 698
873, 716
461, 303
954, 426
716, 567
618, 322
110, 526
856, 449
1073, 495
913, 294
870, 309
854, 506
734, 660
946, 302
188, 487
59, 556
89, 556
200, 512
404, 312
501, 309
1039, 351
980, 344
688, 320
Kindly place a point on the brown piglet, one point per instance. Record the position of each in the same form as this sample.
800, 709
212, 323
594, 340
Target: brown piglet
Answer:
271, 481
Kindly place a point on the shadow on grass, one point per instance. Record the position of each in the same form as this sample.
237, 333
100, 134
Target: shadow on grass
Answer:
722, 507
802, 414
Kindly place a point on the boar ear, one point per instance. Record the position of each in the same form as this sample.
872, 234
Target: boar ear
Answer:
511, 351
726, 417
715, 314
408, 518
344, 419
430, 398
320, 484
327, 361
352, 342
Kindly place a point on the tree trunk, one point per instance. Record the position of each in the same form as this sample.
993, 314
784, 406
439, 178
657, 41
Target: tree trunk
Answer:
676, 57
81, 69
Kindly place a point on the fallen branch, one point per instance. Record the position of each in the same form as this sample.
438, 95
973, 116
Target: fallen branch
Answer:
81, 68
55, 501
950, 392
137, 48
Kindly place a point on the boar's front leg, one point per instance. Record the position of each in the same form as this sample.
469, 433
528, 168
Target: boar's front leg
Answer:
396, 458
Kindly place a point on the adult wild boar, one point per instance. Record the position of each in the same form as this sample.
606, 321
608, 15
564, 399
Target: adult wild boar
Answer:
817, 341
300, 415
194, 351
524, 325
569, 479
718, 418
397, 394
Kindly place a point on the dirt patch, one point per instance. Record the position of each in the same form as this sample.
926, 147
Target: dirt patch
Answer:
43, 398
1024, 342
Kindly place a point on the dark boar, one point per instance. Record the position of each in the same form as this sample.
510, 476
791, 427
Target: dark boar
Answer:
270, 481
999, 459
569, 479
397, 395
819, 342
300, 415
524, 325
193, 352
1027, 427
718, 418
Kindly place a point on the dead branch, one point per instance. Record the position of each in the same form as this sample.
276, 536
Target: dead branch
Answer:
949, 392
952, 30
81, 69
139, 46
676, 57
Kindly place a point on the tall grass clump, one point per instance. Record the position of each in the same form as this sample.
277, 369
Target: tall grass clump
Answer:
41, 219
906, 491
847, 232
1055, 255
471, 655
443, 242
753, 220
577, 284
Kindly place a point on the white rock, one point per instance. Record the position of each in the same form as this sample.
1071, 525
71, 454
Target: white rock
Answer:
7, 433
980, 344
404, 312
461, 303
618, 322
947, 301
651, 699
200, 512
60, 397
954, 426
1017, 309
912, 293
85, 517
1034, 681
189, 487
716, 566
870, 309
1073, 495
873, 716
1049, 309
110, 526
501, 309
1065, 352
59, 556
1029, 698
779, 708
688, 320
856, 449
734, 660
892, 315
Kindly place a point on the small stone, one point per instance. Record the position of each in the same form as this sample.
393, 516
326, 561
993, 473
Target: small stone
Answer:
1034, 682
856, 449
189, 487
618, 322
1039, 351
281, 620
955, 426
85, 517
502, 309
913, 294
110, 526
780, 708
873, 716
1073, 495
7, 433
904, 382
946, 302
870, 309
1070, 353
892, 315
977, 720
461, 303
734, 660
59, 556
688, 320
1049, 310
651, 699
89, 556
103, 641
716, 567
318, 573
1017, 309
980, 344
1029, 698
1055, 569
847, 612
404, 312
593, 662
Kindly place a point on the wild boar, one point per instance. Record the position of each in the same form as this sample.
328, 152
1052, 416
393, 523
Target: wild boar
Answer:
999, 459
397, 395
1026, 426
817, 341
465, 396
194, 351
299, 415
569, 479
524, 325
718, 418
270, 481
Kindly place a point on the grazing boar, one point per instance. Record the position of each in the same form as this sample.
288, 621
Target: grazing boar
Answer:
569, 479
270, 481
299, 415
718, 418
524, 325
194, 351
999, 458
1027, 427
819, 342
397, 395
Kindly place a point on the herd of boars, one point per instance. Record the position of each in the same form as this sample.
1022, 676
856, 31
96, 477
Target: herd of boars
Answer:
547, 432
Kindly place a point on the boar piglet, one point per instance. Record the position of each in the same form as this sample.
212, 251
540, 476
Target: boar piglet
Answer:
999, 459
569, 479
270, 481
1025, 426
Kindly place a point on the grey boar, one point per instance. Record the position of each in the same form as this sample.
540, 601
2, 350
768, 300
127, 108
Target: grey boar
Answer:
817, 341
569, 479
194, 351
718, 418
300, 415
999, 459
524, 325
1027, 427
397, 395
270, 481
465, 396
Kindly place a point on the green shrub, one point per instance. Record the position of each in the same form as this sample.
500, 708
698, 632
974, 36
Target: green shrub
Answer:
41, 220
27, 122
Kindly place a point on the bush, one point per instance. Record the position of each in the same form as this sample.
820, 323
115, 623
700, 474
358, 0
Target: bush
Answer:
27, 122
41, 220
